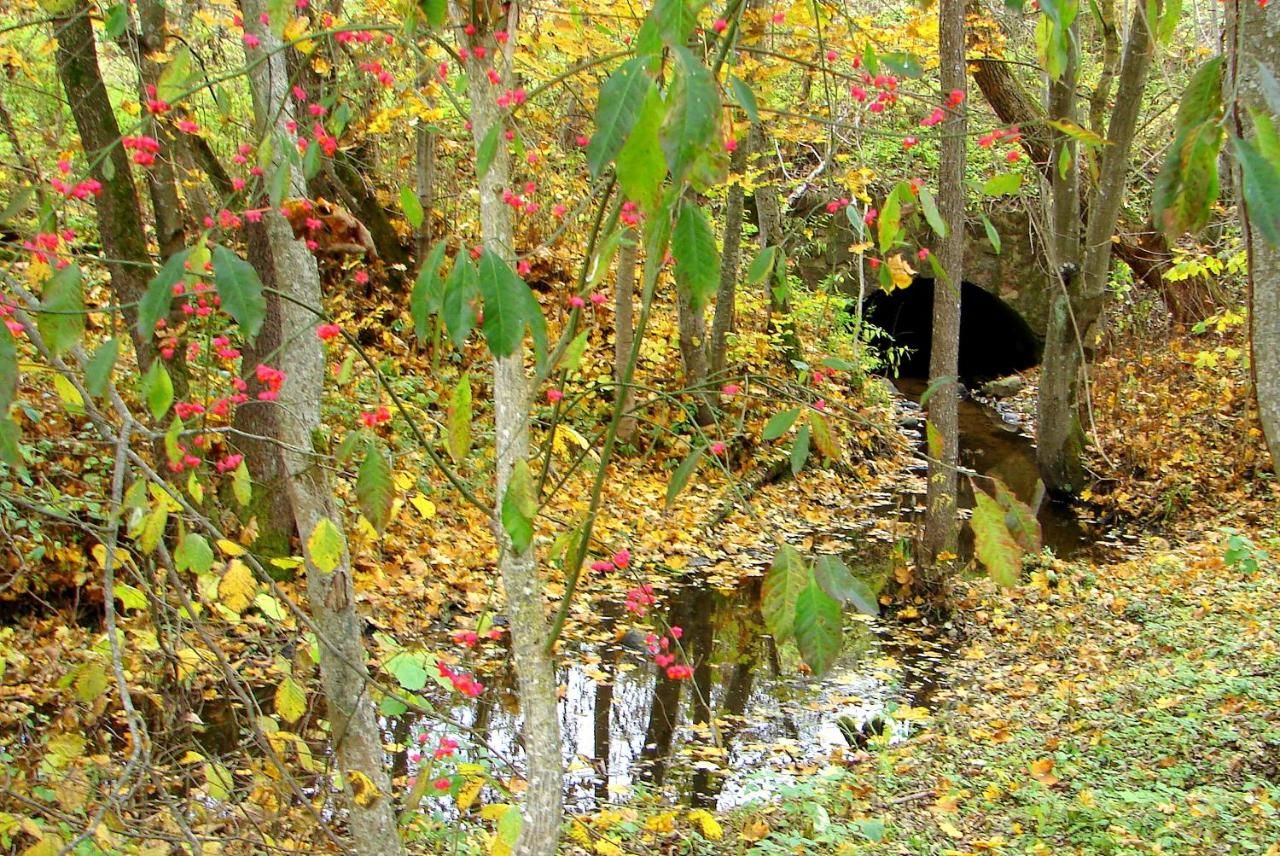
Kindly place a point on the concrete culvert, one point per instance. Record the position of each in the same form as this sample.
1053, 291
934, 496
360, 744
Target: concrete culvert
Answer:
994, 339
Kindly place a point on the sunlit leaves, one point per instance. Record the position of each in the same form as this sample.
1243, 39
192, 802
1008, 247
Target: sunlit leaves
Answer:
375, 491
697, 261
889, 223
1053, 35
519, 507
240, 289
817, 627
617, 110
823, 436
1004, 184
177, 76
411, 206
193, 554
61, 316
787, 577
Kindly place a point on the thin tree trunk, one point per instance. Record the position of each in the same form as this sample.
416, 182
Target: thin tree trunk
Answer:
769, 221
624, 329
535, 672
1253, 44
424, 176
723, 319
693, 353
1060, 437
290, 275
120, 225
943, 407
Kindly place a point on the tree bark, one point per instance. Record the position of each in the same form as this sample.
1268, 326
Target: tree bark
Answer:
769, 222
1253, 44
692, 324
723, 319
120, 226
1060, 437
544, 799
289, 273
943, 407
624, 330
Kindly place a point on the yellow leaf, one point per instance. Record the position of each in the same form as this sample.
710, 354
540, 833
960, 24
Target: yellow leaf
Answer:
707, 824
1042, 772
291, 700
425, 507
899, 271
756, 830
950, 829
237, 588
363, 790
191, 757
468, 793
230, 548
605, 847
664, 822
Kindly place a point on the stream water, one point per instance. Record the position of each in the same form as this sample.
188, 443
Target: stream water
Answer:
749, 722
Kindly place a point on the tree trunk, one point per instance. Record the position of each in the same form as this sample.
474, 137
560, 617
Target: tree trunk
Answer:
425, 181
124, 242
722, 320
1060, 438
624, 330
1253, 44
286, 266
535, 672
693, 353
769, 220
944, 355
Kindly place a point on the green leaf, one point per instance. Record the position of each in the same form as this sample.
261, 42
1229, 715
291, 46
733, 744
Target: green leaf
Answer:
437, 12
62, 313
834, 577
681, 476
903, 64
97, 373
8, 370
993, 236
745, 97
279, 183
375, 491
889, 223
193, 554
159, 296
458, 437
818, 628
325, 545
1019, 519
693, 244
693, 116
931, 213
153, 526
617, 110
508, 830
572, 359
779, 424
290, 700
1169, 21
487, 150
509, 307
993, 545
800, 450
130, 597
242, 484
519, 507
427, 298
670, 23
411, 206
409, 671
870, 60
117, 21
787, 577
640, 165
157, 389
762, 265
823, 436
240, 289
176, 78
1005, 184
460, 293
1261, 190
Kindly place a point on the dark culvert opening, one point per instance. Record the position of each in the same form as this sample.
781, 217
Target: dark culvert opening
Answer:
994, 339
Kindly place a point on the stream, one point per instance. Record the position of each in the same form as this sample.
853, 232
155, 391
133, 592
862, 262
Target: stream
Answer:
749, 723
